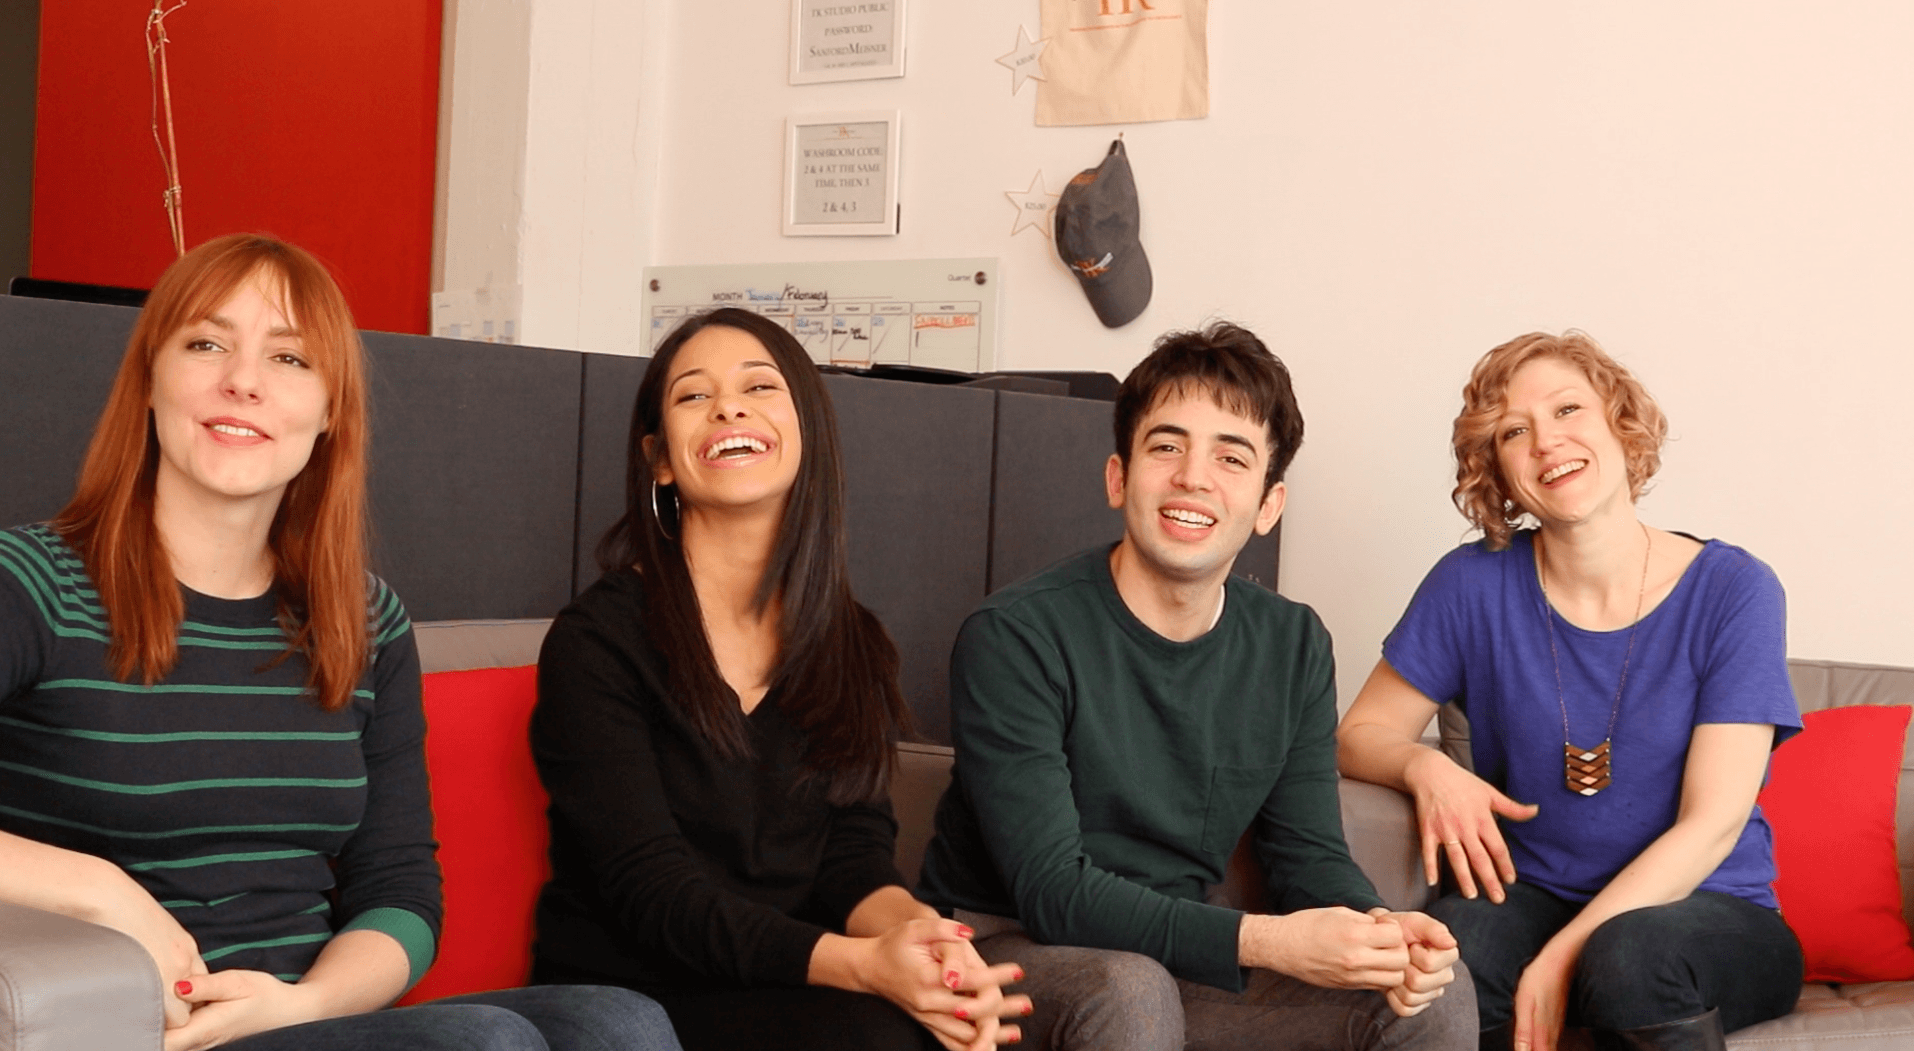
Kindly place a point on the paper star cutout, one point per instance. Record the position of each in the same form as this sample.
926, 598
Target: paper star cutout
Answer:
1033, 206
1022, 60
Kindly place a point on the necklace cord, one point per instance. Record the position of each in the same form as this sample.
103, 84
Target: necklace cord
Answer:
1605, 749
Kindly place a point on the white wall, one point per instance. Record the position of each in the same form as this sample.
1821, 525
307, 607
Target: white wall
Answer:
1722, 193
548, 154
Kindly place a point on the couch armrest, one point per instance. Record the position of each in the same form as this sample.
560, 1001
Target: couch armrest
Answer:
1380, 825
65, 984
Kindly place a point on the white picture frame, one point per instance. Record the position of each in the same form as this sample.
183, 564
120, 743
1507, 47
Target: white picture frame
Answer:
846, 40
840, 174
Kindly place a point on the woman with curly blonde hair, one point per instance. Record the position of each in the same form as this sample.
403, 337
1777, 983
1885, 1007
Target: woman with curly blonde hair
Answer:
1656, 659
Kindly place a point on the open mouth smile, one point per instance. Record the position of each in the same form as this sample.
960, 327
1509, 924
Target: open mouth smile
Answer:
229, 431
734, 446
1187, 518
1562, 470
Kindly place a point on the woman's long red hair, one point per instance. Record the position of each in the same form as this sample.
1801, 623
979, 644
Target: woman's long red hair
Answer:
318, 537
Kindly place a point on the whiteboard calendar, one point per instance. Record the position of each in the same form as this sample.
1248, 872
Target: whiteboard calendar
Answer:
935, 313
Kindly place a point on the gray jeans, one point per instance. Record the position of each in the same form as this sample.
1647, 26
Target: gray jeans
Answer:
1108, 1000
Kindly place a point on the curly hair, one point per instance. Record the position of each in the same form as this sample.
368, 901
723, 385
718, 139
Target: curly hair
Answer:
1480, 491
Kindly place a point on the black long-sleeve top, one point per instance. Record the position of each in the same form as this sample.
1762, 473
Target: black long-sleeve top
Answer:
672, 866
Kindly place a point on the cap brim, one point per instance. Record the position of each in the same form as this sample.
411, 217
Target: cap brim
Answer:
1120, 293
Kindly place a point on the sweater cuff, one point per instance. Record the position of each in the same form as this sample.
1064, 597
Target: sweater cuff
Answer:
786, 959
1209, 953
407, 928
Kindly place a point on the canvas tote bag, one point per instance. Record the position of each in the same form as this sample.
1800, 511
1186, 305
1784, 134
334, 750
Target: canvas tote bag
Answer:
1124, 61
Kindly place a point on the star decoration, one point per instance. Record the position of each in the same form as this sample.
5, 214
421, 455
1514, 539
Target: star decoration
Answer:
1033, 206
1022, 60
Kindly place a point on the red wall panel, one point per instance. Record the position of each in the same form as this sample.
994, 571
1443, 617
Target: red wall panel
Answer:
316, 122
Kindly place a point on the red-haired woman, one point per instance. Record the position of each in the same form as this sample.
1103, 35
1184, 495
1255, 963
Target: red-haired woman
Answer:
1623, 683
210, 732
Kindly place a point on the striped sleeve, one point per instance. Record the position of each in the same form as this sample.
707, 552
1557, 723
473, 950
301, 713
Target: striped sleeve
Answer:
388, 872
30, 606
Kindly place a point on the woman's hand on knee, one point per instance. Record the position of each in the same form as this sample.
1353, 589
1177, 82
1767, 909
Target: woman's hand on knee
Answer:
1456, 811
232, 1004
1541, 1001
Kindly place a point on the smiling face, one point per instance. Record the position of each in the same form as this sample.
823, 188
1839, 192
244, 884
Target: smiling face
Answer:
1193, 492
731, 432
236, 402
1559, 459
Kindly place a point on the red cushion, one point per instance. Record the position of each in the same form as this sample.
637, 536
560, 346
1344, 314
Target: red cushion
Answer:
1830, 798
489, 816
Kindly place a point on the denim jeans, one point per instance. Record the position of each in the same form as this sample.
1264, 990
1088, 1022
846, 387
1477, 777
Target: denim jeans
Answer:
541, 1018
1644, 967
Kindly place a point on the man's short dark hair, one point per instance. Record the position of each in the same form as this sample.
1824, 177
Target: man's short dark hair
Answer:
1237, 371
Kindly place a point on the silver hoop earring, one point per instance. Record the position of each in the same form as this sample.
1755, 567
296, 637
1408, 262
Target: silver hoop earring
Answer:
658, 518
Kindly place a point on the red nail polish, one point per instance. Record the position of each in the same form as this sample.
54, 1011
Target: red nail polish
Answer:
962, 1014
1027, 1008
951, 978
964, 932
183, 988
1017, 976
1016, 1038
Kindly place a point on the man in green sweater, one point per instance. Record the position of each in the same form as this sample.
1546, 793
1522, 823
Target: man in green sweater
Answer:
1121, 718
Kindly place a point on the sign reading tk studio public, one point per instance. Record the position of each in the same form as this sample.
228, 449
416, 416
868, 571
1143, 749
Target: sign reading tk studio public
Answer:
846, 40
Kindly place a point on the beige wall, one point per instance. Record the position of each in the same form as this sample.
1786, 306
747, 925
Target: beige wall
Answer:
1719, 192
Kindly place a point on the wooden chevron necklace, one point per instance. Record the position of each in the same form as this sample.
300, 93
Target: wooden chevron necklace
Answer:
1587, 771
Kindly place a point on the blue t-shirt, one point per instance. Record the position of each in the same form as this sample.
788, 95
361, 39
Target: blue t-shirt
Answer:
1714, 651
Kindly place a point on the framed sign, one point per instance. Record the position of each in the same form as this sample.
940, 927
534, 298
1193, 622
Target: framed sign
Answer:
846, 40
840, 174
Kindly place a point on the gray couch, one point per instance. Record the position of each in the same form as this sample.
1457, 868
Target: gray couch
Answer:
66, 984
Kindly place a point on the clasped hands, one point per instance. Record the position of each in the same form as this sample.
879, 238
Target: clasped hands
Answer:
931, 969
1407, 955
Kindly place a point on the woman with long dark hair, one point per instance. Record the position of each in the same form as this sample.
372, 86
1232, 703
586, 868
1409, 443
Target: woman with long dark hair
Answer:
212, 735
1624, 686
715, 725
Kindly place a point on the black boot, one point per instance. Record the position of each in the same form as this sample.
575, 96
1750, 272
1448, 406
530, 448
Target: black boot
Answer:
1700, 1033
1501, 1038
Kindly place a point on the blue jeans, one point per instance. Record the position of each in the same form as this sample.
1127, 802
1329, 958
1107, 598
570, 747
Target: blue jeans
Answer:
1645, 967
541, 1018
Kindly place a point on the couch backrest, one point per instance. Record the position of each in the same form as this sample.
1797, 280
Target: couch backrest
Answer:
1817, 685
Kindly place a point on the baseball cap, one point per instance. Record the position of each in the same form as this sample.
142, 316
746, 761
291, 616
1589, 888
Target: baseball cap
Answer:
1097, 238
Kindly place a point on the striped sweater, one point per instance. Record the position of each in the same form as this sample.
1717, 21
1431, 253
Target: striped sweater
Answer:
263, 823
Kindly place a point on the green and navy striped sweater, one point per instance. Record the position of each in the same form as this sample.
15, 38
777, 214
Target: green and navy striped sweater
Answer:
264, 823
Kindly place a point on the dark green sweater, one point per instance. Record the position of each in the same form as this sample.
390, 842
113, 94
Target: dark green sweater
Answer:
1105, 773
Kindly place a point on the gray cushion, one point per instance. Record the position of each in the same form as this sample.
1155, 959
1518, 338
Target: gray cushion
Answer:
57, 362
467, 645
474, 475
917, 509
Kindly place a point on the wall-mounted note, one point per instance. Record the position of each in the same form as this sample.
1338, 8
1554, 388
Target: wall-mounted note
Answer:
841, 174
846, 40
